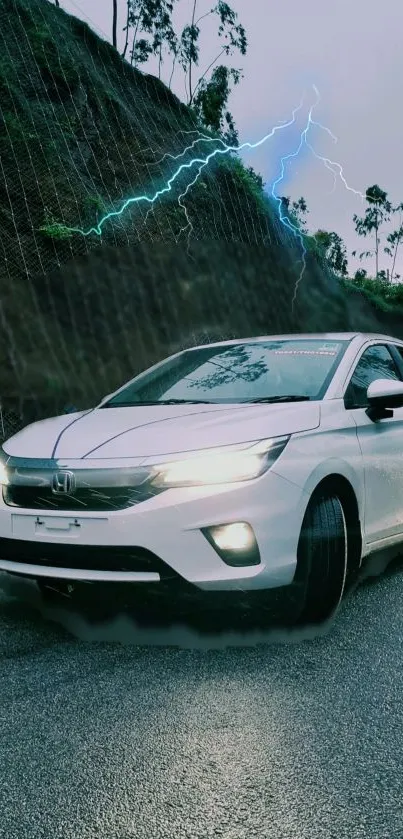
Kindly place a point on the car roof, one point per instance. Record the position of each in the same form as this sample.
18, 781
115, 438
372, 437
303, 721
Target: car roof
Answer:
324, 336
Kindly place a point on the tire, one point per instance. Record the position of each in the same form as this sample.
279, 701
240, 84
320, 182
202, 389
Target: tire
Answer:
322, 559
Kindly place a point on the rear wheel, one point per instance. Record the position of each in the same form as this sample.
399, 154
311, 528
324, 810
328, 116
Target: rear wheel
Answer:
322, 559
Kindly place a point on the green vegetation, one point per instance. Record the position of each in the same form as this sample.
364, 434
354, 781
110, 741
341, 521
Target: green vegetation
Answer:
54, 230
383, 295
95, 203
383, 291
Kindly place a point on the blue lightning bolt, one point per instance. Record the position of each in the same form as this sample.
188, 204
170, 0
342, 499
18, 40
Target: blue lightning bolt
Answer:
197, 164
199, 139
196, 161
329, 164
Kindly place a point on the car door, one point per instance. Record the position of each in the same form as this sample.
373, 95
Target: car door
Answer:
381, 444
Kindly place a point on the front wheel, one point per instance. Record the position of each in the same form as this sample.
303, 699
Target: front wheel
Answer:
322, 559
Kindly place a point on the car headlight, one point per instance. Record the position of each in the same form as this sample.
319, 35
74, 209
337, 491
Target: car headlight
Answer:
220, 467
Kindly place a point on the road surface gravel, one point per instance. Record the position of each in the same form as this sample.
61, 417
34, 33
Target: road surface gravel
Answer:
114, 732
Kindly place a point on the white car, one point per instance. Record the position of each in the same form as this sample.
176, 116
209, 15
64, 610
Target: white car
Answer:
245, 465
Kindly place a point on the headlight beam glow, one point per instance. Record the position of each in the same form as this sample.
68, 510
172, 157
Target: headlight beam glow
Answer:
210, 469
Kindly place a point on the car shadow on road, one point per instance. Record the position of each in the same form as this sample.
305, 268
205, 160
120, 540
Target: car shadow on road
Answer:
162, 624
387, 565
23, 629
149, 622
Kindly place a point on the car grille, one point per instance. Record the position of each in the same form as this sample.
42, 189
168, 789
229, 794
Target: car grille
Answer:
90, 499
85, 557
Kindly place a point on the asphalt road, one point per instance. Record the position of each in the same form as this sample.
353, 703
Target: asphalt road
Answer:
113, 733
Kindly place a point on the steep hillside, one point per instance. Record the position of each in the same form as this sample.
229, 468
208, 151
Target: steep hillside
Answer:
80, 133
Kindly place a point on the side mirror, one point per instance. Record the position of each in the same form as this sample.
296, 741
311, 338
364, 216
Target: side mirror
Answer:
383, 395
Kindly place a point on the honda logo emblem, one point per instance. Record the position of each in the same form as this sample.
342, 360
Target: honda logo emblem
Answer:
63, 483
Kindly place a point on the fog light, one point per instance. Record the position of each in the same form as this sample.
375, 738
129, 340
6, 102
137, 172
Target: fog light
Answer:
235, 543
233, 537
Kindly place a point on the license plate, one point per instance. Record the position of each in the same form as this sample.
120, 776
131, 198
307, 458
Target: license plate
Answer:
24, 526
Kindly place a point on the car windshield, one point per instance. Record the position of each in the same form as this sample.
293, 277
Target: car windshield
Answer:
255, 371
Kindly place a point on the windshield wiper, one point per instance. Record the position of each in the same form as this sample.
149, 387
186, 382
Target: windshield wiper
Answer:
159, 402
291, 397
180, 402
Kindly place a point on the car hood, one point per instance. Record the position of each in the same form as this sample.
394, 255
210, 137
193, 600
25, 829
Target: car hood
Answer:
146, 431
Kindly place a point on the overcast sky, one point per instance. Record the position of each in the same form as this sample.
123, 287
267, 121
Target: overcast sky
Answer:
352, 51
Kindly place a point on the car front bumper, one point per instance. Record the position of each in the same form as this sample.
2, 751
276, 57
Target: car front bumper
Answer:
165, 533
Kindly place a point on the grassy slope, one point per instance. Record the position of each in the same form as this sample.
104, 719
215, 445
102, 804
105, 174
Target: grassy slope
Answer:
385, 299
81, 131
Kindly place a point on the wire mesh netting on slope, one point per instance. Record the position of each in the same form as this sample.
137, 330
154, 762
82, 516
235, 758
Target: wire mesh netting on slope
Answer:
85, 307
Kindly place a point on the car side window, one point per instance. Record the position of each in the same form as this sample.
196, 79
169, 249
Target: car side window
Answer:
398, 349
375, 363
